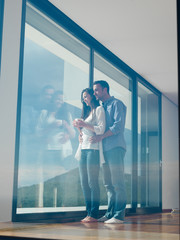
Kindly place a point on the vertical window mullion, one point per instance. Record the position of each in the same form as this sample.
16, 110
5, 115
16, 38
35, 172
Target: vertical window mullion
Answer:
135, 144
91, 67
160, 152
1, 26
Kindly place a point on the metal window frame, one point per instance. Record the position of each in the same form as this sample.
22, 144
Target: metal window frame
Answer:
1, 27
60, 18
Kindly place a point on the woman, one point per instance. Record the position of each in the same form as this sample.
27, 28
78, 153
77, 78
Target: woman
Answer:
56, 131
92, 123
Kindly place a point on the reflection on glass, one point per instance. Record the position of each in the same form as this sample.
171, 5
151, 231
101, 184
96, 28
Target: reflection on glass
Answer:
55, 70
148, 148
54, 74
120, 88
55, 132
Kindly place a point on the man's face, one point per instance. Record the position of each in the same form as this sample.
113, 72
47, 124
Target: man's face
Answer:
48, 95
58, 101
98, 92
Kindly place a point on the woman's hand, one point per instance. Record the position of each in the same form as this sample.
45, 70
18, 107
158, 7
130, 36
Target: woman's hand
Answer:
79, 123
65, 124
58, 123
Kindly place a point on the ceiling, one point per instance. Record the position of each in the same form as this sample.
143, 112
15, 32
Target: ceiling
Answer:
142, 33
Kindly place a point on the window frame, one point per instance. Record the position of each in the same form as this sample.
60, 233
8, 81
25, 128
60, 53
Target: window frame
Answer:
1, 27
70, 26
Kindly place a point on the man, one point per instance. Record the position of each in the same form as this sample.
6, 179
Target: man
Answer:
45, 97
114, 149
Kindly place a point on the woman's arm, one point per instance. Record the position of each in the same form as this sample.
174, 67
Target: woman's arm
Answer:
99, 128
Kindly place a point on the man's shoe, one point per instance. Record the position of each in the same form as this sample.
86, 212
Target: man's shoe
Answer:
103, 219
113, 220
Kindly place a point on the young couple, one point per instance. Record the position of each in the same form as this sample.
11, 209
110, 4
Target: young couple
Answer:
102, 141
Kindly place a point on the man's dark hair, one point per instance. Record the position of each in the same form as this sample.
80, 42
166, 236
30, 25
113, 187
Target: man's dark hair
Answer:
103, 84
46, 87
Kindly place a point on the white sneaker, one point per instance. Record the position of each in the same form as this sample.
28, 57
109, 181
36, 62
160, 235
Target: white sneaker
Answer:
103, 219
113, 220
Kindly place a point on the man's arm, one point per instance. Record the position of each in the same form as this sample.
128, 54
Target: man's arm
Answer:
119, 116
99, 138
118, 125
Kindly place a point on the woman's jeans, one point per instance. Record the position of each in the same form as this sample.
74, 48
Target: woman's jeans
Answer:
89, 176
113, 174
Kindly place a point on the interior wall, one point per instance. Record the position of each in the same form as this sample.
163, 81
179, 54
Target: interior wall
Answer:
8, 102
8, 106
170, 155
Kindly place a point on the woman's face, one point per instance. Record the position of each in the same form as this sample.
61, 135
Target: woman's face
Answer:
59, 101
87, 98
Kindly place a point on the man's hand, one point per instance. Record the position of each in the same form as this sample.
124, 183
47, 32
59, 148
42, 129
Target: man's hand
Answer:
95, 139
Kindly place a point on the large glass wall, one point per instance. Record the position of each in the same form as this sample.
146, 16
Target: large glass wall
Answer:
56, 67
55, 70
120, 87
148, 148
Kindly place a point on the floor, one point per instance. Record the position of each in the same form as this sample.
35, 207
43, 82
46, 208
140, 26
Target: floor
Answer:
163, 226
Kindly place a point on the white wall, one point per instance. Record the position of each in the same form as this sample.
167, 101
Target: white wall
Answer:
8, 102
8, 105
170, 155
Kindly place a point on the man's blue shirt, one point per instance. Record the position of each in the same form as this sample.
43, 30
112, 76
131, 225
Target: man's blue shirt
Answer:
115, 121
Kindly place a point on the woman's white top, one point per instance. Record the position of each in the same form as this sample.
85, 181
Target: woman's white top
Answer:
96, 119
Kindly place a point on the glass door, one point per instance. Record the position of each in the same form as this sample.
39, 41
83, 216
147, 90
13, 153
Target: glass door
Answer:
56, 67
55, 70
149, 162
120, 87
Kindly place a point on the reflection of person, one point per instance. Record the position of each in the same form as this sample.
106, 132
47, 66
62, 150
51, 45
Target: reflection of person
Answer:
55, 128
55, 132
45, 97
32, 107
92, 123
114, 148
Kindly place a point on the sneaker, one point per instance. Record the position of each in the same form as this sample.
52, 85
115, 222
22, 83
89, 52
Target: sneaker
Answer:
113, 220
103, 219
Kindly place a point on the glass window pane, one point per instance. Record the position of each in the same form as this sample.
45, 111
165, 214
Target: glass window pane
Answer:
120, 88
148, 148
55, 70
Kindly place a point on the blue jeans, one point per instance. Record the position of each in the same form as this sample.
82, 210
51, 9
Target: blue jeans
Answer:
89, 176
113, 174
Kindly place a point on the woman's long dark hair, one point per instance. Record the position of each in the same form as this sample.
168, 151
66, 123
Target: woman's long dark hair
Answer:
94, 103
